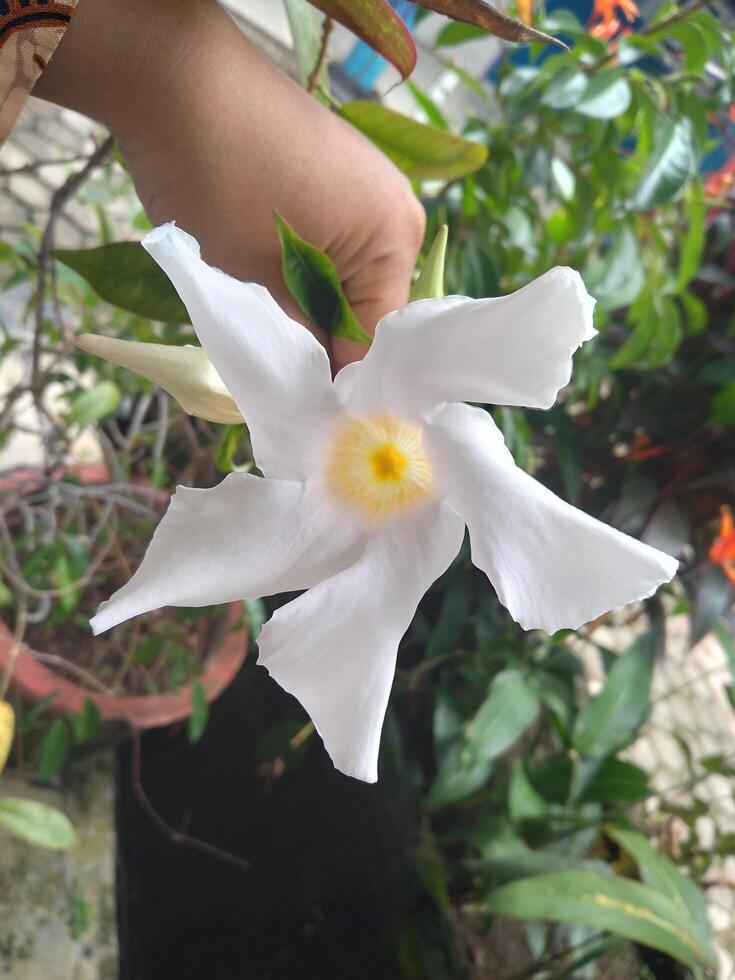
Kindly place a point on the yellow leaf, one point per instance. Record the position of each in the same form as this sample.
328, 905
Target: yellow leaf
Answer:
7, 727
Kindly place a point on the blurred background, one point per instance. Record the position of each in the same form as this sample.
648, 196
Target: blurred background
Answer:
211, 836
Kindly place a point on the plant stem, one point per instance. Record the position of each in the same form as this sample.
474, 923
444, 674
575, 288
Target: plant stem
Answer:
313, 82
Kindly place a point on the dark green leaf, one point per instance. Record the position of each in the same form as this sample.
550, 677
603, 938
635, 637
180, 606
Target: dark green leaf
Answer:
524, 803
611, 719
313, 282
54, 750
88, 723
722, 405
199, 713
617, 782
616, 905
672, 165
421, 152
511, 706
461, 773
124, 274
36, 822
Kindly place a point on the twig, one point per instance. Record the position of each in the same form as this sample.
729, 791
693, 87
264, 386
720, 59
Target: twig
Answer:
313, 82
58, 661
29, 168
59, 198
175, 836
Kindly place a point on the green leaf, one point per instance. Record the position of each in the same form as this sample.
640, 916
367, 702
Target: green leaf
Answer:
378, 25
462, 772
224, 457
565, 89
661, 873
672, 164
430, 281
88, 723
54, 750
607, 95
611, 719
512, 704
722, 405
626, 908
422, 152
306, 34
199, 713
458, 33
36, 822
429, 108
617, 279
524, 803
563, 178
124, 274
617, 782
313, 282
94, 403
63, 578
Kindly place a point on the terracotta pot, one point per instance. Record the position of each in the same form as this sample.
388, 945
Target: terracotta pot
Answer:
34, 681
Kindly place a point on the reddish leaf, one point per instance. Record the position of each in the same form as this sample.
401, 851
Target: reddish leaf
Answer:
482, 14
378, 25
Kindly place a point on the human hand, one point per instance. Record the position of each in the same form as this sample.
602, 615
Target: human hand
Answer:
217, 139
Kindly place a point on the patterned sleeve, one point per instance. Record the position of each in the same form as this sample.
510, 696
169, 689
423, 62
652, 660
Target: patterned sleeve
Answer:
29, 33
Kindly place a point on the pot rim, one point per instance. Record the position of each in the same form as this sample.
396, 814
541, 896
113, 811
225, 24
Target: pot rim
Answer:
34, 681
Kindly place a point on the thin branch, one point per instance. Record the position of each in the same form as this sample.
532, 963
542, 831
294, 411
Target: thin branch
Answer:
29, 168
175, 836
59, 198
313, 83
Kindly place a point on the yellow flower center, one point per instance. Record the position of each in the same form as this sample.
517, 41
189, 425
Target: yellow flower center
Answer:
378, 465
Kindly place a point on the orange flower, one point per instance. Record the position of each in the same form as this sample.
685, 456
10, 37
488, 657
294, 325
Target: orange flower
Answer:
722, 552
723, 180
604, 20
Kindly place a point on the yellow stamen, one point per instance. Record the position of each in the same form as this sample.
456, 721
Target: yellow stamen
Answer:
389, 463
378, 465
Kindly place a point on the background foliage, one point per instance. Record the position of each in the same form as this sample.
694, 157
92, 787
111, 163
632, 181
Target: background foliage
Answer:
529, 805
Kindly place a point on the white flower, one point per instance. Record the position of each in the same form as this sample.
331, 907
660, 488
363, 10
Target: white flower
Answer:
369, 482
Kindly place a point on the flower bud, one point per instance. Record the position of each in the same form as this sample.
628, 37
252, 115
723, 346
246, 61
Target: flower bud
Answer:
186, 373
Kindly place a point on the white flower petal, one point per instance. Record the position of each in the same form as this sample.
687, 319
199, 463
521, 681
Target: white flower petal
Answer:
186, 373
245, 538
276, 371
334, 648
552, 565
511, 350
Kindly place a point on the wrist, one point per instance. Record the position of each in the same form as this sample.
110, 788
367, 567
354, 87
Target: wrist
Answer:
124, 64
